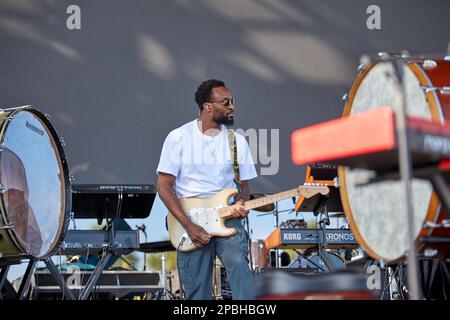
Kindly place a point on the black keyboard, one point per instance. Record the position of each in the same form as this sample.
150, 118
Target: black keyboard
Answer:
81, 242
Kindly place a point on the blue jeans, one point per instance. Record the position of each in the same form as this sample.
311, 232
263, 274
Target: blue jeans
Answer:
195, 268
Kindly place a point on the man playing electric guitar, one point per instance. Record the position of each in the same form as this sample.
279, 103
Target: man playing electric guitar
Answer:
197, 162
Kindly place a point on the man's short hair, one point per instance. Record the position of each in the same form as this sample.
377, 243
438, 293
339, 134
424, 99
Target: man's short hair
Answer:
203, 93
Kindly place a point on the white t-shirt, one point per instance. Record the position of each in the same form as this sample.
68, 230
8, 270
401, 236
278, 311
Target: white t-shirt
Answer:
202, 163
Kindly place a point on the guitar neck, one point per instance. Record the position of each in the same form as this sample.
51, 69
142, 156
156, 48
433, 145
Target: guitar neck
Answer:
255, 203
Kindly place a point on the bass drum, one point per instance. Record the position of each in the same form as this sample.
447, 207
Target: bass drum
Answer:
35, 189
377, 212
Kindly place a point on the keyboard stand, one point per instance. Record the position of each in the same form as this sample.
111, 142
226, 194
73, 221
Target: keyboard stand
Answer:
109, 252
323, 222
26, 279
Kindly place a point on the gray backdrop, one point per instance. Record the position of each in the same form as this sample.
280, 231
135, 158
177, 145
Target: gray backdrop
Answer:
116, 87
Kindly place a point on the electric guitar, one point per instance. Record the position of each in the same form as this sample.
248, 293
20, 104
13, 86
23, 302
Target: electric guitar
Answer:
211, 213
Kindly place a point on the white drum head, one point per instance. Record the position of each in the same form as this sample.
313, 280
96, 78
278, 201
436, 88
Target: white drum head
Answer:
378, 210
34, 184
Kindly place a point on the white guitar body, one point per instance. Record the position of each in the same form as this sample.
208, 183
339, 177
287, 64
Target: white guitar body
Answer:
211, 213
205, 213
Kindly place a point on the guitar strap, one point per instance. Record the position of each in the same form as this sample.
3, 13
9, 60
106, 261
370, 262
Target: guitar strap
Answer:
233, 153
237, 180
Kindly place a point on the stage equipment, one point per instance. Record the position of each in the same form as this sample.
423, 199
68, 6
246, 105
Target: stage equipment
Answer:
295, 235
294, 224
94, 242
221, 286
337, 285
113, 203
259, 255
323, 174
309, 238
35, 193
97, 201
412, 88
34, 185
111, 284
310, 259
156, 247
369, 221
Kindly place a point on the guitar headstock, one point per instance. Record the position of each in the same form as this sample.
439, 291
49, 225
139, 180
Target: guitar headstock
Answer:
311, 189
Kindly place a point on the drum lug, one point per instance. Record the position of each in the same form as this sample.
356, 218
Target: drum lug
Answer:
445, 90
442, 90
2, 188
2, 146
428, 89
336, 182
405, 54
47, 116
361, 67
429, 64
61, 140
430, 253
71, 177
384, 55
7, 227
345, 97
432, 225
429, 224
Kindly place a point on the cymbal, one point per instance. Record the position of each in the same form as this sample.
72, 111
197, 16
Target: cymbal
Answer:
266, 208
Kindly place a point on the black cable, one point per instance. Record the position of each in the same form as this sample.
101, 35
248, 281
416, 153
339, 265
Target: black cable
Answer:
303, 256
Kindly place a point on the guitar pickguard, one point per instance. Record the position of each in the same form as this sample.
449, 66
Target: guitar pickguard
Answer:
208, 219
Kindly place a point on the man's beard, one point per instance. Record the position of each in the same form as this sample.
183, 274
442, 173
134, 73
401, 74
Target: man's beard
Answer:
223, 119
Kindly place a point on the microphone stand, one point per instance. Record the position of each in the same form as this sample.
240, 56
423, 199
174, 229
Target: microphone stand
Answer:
405, 164
143, 229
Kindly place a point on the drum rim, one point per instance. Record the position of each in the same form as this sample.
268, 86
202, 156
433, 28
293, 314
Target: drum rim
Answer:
433, 207
62, 228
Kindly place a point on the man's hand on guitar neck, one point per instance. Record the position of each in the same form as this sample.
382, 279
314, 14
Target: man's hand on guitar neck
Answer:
239, 210
198, 235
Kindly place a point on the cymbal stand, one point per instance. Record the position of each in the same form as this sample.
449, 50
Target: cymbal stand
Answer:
166, 293
276, 222
164, 274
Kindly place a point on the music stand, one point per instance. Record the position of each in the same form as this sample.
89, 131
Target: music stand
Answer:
93, 201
